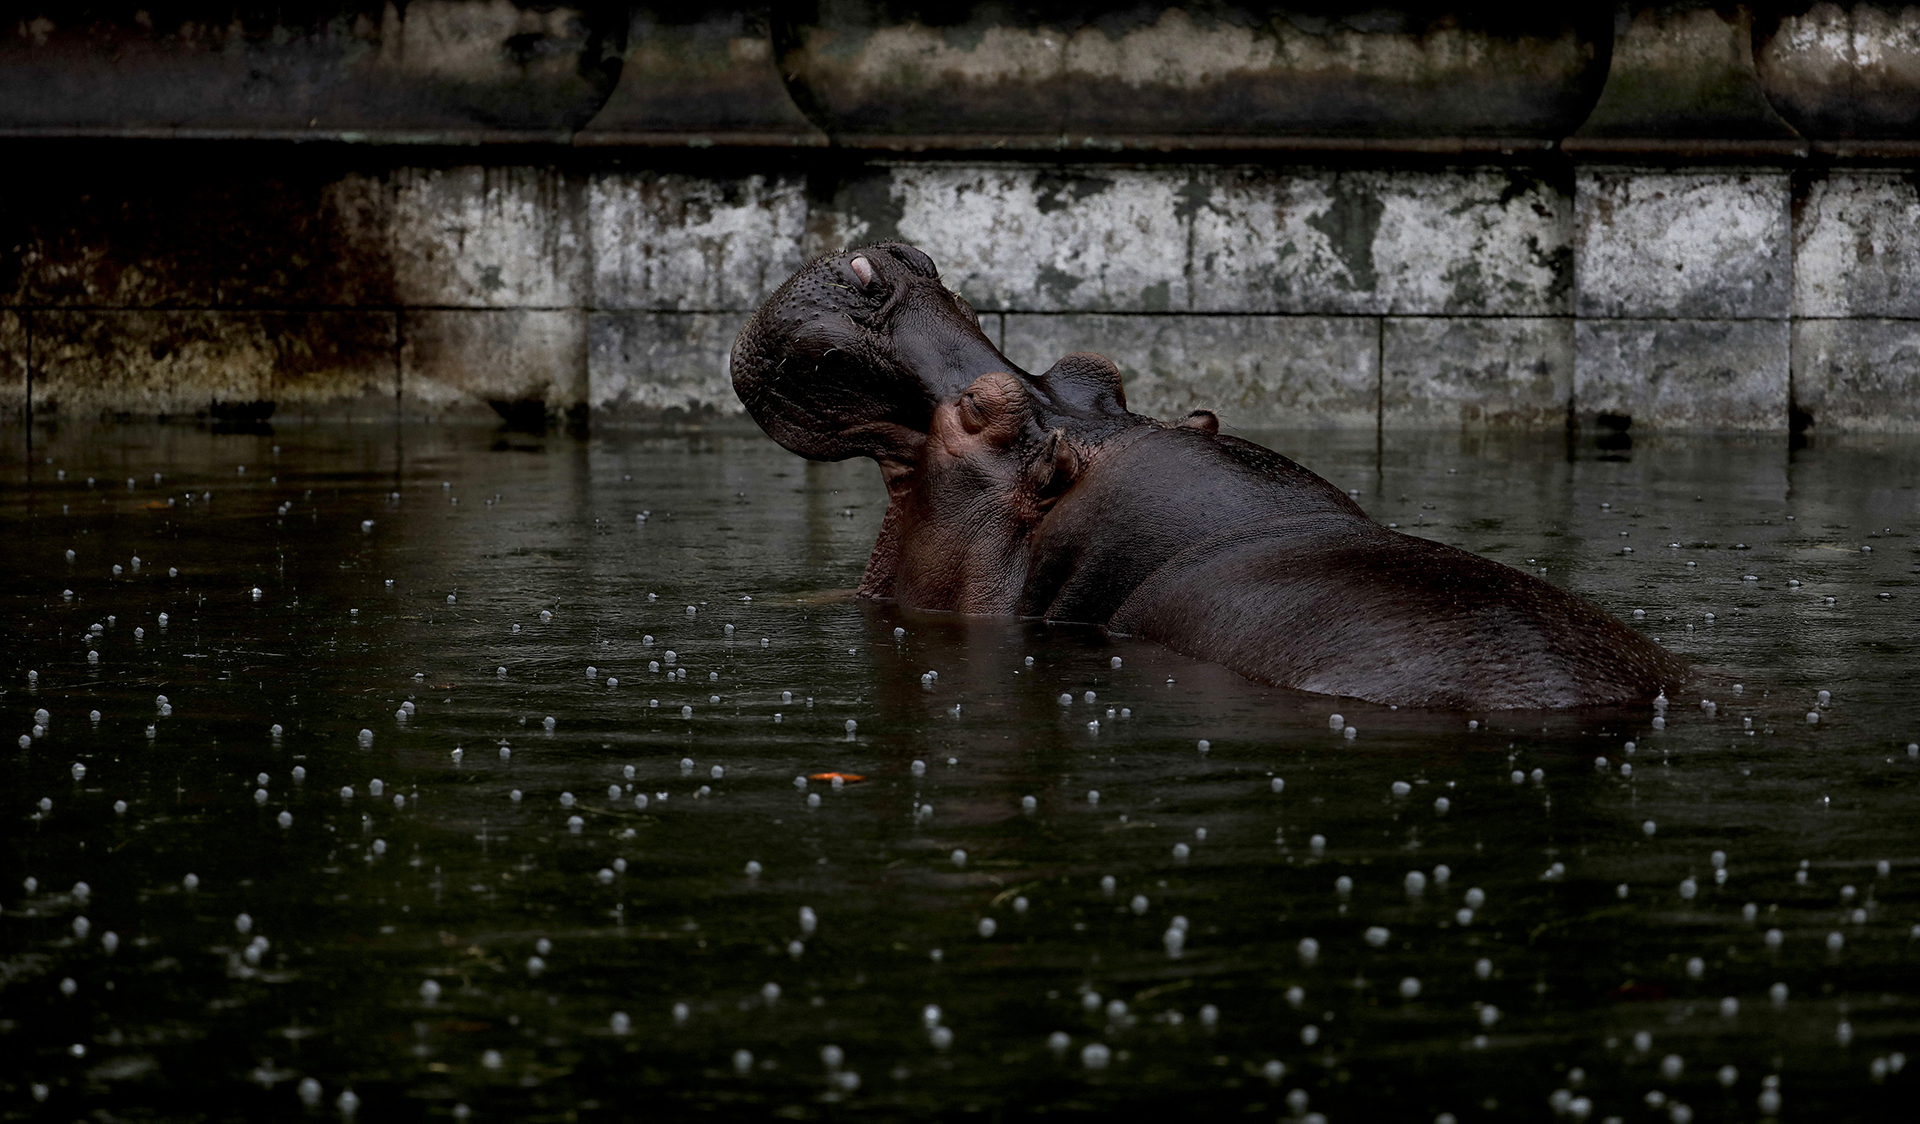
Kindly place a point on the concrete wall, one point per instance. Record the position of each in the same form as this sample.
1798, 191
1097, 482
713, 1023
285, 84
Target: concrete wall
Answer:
1696, 299
1681, 218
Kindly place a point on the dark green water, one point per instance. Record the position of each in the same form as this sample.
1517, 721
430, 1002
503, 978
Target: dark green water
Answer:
1607, 969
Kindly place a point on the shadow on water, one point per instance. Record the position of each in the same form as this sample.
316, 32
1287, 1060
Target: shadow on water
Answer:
418, 893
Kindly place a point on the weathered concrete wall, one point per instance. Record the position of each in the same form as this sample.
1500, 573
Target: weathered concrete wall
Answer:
1732, 298
1679, 215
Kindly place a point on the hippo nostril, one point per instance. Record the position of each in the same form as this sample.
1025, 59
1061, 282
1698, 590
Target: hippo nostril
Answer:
863, 269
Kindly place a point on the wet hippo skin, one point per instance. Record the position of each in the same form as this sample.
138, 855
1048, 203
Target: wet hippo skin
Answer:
1043, 495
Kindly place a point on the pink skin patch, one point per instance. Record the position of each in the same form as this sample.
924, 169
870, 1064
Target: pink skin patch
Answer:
863, 269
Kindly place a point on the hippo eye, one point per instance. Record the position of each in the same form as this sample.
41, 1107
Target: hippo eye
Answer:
863, 269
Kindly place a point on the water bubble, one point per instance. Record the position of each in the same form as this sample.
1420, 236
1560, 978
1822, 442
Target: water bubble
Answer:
987, 926
1095, 1055
1309, 950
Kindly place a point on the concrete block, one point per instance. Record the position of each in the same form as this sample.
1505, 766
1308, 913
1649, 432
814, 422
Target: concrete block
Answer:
643, 366
1379, 242
1299, 371
492, 237
463, 360
1484, 371
1687, 245
1099, 239
1856, 242
1023, 238
13, 365
262, 232
241, 364
693, 243
1857, 375
1683, 374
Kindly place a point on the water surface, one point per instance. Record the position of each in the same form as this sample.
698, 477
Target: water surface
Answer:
460, 911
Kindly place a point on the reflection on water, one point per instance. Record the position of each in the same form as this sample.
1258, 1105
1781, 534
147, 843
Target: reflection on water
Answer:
417, 898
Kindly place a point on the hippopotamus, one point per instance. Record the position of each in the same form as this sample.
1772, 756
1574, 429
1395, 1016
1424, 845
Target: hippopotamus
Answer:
1044, 496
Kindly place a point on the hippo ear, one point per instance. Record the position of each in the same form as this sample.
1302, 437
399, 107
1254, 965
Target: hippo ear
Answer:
1206, 421
1086, 384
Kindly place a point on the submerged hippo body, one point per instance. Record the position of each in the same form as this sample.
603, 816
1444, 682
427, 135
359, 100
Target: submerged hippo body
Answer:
1042, 495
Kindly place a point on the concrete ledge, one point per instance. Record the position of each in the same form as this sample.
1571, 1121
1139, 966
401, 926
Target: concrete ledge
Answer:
1474, 373
1299, 371
1682, 374
13, 364
489, 237
689, 243
463, 360
1857, 245
1857, 376
1222, 240
1035, 240
219, 363
1380, 242
645, 366
1707, 245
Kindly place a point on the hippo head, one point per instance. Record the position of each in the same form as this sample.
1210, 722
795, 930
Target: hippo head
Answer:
865, 353
850, 356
